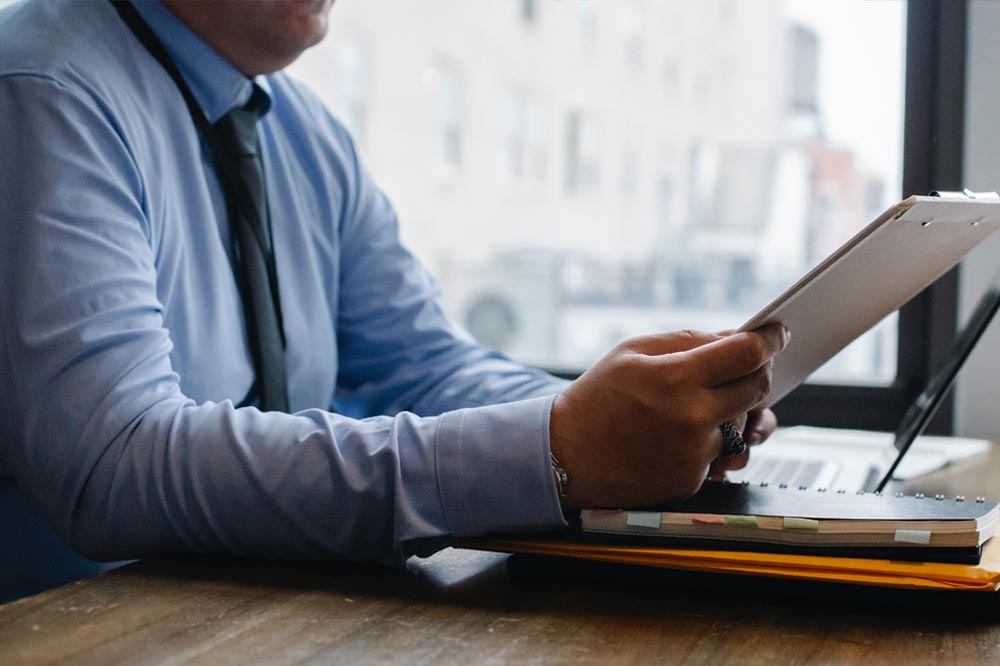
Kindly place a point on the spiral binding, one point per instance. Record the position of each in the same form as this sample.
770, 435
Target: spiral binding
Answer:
939, 497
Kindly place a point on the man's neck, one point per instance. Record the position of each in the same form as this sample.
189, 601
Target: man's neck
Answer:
209, 21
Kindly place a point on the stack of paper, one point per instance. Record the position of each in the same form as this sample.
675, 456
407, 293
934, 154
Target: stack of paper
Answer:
913, 527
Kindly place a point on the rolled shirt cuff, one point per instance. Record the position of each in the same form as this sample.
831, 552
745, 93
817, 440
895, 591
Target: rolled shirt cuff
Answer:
494, 469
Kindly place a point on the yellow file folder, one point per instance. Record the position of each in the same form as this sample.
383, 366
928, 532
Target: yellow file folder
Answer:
982, 577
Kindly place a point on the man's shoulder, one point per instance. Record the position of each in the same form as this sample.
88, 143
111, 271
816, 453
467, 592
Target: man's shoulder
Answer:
77, 56
53, 39
302, 100
299, 106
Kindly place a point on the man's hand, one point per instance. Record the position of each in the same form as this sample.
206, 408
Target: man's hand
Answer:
759, 426
642, 425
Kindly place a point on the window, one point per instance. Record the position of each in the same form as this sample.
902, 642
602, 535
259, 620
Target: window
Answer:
525, 149
586, 14
583, 153
535, 142
685, 193
803, 82
450, 117
664, 209
529, 10
629, 180
632, 41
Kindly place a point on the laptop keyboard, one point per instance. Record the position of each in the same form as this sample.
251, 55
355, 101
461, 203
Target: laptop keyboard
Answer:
791, 471
803, 473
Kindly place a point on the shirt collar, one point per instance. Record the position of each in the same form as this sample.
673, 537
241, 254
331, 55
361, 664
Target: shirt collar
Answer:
217, 86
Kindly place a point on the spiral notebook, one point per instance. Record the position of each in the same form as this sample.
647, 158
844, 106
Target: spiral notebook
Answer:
785, 519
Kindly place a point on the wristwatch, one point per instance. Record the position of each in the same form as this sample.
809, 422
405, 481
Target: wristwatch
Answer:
562, 479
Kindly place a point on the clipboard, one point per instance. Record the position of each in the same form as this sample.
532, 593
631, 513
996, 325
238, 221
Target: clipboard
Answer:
875, 273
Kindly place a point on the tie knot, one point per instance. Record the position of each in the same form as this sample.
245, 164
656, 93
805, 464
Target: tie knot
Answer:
238, 128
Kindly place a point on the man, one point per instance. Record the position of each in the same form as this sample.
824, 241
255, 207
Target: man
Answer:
126, 348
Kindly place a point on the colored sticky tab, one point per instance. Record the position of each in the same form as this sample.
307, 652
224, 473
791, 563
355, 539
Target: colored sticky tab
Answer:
913, 536
800, 524
643, 519
708, 519
742, 521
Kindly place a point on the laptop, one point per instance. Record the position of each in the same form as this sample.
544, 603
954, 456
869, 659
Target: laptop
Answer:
848, 460
852, 460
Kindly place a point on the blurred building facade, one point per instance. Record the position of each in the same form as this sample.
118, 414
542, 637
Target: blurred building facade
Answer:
576, 172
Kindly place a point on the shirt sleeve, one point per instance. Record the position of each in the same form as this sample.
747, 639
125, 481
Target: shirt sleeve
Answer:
399, 350
99, 434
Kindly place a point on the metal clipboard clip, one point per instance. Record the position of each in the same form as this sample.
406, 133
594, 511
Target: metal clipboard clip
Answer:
967, 194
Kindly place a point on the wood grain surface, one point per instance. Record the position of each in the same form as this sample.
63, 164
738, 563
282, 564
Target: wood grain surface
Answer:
462, 607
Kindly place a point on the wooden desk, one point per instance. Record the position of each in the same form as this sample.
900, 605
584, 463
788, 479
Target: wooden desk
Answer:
460, 607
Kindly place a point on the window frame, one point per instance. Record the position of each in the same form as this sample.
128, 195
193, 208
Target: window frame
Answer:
933, 134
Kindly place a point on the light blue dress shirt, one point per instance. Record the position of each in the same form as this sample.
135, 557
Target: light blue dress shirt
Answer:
122, 342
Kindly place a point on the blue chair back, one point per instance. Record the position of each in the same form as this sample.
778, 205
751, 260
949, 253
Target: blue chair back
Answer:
32, 557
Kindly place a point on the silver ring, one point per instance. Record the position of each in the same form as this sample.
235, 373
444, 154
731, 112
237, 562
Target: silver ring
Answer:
733, 443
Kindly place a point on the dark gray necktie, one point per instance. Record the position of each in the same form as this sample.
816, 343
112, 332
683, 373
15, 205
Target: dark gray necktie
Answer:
237, 132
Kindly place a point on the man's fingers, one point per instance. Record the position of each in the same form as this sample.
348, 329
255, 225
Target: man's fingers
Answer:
735, 356
760, 425
717, 471
734, 399
658, 344
739, 421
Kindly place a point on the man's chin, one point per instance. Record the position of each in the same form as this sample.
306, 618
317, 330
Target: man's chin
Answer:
314, 8
309, 21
